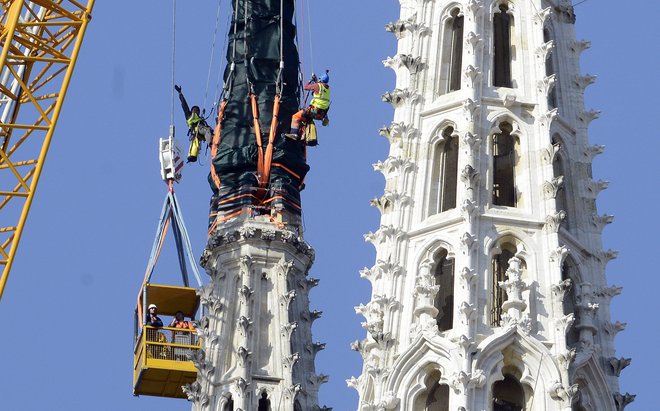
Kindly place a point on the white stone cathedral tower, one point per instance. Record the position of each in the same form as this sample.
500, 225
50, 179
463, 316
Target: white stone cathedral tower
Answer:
489, 289
258, 353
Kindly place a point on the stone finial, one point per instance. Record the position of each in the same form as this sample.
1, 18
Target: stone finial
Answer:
618, 364
622, 400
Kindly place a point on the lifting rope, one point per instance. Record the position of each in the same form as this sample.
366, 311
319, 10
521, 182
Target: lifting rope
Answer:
173, 60
215, 35
170, 215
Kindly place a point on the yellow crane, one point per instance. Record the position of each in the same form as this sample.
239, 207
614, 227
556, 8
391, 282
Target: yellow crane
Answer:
40, 41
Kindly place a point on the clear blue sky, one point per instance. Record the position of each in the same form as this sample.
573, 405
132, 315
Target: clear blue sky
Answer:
67, 343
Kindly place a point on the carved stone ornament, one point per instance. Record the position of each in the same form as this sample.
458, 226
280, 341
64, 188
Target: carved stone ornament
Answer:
468, 209
468, 241
622, 400
425, 282
472, 74
552, 222
590, 152
383, 234
607, 293
589, 116
397, 97
388, 402
245, 293
552, 187
317, 379
549, 153
566, 359
288, 329
204, 366
618, 364
566, 13
544, 50
562, 289
290, 360
461, 381
471, 142
567, 395
286, 298
470, 177
405, 132
614, 328
470, 107
563, 324
547, 84
542, 16
601, 221
464, 343
475, 6
209, 298
195, 395
582, 82
548, 117
393, 165
413, 64
467, 312
579, 46
315, 347
291, 392
468, 276
474, 42
400, 27
243, 324
605, 256
243, 355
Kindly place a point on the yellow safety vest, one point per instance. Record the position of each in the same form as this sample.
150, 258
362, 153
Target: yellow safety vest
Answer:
321, 99
193, 121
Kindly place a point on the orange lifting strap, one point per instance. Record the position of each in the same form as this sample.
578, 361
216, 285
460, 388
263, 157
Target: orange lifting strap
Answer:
216, 142
265, 177
257, 133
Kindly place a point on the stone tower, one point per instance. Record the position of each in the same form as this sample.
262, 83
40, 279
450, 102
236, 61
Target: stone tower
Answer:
258, 353
489, 288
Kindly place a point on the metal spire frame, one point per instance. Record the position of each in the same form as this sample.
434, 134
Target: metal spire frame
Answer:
40, 41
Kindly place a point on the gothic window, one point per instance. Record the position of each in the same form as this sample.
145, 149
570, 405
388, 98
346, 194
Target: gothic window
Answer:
550, 70
502, 23
451, 51
561, 200
504, 160
444, 299
264, 402
508, 395
438, 398
500, 264
229, 405
569, 271
444, 173
436, 395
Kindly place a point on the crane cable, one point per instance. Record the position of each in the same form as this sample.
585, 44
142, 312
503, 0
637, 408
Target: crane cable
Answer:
173, 64
208, 76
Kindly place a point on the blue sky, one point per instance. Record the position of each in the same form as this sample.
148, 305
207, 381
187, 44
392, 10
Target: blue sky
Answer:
71, 295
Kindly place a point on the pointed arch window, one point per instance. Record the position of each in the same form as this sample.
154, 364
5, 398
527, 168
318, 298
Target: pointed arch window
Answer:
451, 53
508, 395
456, 57
436, 395
550, 70
569, 272
444, 175
264, 402
229, 404
504, 160
502, 23
500, 264
444, 299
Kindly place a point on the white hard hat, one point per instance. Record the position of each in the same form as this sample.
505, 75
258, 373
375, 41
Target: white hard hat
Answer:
152, 306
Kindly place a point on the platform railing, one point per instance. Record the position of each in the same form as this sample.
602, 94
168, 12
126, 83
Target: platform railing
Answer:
166, 343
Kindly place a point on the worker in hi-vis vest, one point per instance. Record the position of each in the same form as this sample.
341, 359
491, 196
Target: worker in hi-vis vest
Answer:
317, 109
198, 130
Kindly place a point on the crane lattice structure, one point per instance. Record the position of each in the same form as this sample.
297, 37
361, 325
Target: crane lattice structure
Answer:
40, 41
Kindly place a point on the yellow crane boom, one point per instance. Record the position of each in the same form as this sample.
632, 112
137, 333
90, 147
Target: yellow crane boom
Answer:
40, 41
